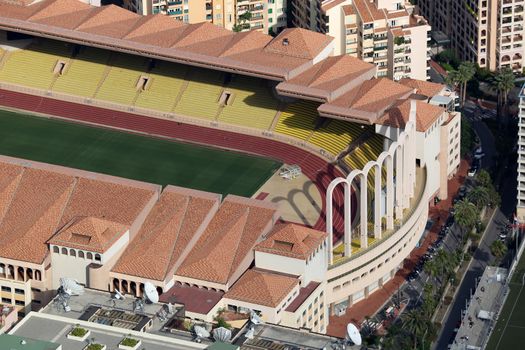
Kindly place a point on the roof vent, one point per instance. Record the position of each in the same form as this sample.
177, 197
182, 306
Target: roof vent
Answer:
286, 42
23, 342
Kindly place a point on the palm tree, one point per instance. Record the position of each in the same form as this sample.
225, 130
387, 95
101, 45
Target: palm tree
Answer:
503, 82
498, 249
479, 196
432, 269
460, 78
414, 324
466, 214
483, 178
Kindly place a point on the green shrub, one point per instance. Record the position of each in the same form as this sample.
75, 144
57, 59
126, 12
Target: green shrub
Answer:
78, 332
221, 322
129, 342
95, 347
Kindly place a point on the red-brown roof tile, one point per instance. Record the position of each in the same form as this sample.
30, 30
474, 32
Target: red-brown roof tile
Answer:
398, 115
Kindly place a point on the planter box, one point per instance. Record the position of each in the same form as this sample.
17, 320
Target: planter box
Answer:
84, 337
104, 347
125, 347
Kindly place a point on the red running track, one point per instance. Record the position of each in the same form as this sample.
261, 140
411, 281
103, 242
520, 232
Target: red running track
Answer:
315, 167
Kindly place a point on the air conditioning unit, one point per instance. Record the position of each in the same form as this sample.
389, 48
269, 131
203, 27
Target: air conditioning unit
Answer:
340, 310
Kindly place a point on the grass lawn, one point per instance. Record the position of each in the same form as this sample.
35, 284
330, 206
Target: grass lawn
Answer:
132, 156
509, 330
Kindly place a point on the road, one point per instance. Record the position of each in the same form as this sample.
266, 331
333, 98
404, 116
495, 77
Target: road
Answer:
482, 256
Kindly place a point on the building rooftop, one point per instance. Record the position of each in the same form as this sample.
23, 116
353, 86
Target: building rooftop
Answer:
399, 114
194, 299
38, 200
167, 234
304, 293
292, 240
202, 43
13, 342
230, 236
367, 102
262, 287
425, 88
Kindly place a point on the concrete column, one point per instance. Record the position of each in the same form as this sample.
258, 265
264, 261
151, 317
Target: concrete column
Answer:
406, 175
367, 293
399, 183
332, 309
364, 213
15, 270
380, 282
348, 219
350, 300
389, 193
377, 203
25, 274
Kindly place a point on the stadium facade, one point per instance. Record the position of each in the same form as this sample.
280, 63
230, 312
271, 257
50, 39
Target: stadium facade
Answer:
397, 144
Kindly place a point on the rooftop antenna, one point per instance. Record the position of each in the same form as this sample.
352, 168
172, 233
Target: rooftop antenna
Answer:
353, 334
118, 295
71, 286
151, 292
138, 305
250, 333
200, 333
254, 318
222, 334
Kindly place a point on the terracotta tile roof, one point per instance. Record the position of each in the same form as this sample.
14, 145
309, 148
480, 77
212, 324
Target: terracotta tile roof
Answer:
398, 115
304, 293
232, 233
327, 5
198, 44
291, 240
369, 11
262, 288
397, 14
367, 102
89, 233
329, 75
298, 42
37, 200
194, 299
163, 240
33, 214
348, 10
422, 87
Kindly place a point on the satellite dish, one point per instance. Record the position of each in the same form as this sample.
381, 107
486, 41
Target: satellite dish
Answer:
119, 295
250, 333
71, 286
222, 334
201, 332
151, 292
255, 319
353, 333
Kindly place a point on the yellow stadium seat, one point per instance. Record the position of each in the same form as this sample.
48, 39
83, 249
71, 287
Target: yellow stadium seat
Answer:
84, 73
164, 87
120, 85
35, 65
201, 97
298, 120
252, 104
336, 135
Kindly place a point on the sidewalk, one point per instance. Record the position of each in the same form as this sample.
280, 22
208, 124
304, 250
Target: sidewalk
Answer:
369, 306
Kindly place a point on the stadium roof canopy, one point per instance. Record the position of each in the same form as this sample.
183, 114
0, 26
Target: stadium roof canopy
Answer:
204, 44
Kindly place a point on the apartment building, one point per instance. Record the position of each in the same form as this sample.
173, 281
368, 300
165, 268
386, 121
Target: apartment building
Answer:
385, 32
489, 32
520, 210
268, 16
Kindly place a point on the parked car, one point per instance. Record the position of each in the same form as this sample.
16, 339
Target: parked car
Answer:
472, 172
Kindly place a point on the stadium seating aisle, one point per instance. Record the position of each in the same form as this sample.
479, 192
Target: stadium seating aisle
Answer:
298, 120
369, 150
200, 99
120, 85
336, 136
88, 67
166, 81
252, 104
35, 65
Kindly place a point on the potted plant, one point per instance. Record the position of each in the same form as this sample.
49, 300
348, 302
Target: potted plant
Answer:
78, 333
95, 346
129, 343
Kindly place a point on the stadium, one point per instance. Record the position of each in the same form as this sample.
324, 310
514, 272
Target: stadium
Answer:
124, 86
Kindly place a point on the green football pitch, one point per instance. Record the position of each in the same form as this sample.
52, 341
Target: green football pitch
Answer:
509, 331
132, 156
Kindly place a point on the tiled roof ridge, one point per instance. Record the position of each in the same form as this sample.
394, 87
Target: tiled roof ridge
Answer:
245, 215
19, 176
172, 258
59, 218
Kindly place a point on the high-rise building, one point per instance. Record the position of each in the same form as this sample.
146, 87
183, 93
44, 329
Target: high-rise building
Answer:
385, 32
268, 16
489, 32
521, 158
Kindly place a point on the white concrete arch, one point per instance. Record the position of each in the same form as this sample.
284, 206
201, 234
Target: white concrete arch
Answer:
402, 153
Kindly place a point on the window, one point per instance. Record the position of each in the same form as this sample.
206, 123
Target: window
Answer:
6, 300
19, 291
56, 250
19, 302
6, 289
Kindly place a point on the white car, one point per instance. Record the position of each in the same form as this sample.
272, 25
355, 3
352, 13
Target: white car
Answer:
472, 172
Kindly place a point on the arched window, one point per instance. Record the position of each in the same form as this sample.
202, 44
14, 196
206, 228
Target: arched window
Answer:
56, 249
72, 252
29, 274
38, 275
97, 257
64, 251
21, 276
89, 256
81, 254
